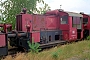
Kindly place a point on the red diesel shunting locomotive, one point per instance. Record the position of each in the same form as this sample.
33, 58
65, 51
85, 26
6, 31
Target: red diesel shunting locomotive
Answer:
56, 26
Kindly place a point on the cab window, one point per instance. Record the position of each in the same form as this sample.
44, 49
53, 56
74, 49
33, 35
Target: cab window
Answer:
85, 20
64, 19
76, 22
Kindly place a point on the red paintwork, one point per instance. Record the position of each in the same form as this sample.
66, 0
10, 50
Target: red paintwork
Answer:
49, 21
70, 22
63, 26
66, 28
70, 35
38, 22
22, 21
52, 22
65, 35
53, 12
86, 26
89, 23
35, 36
26, 18
72, 31
82, 33
19, 22
73, 34
2, 40
33, 22
5, 27
58, 15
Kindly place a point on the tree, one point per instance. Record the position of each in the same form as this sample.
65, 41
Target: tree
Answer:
13, 7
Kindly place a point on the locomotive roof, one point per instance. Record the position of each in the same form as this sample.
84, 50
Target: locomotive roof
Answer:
69, 13
74, 14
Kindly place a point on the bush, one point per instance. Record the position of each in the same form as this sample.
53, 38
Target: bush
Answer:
55, 55
34, 47
88, 38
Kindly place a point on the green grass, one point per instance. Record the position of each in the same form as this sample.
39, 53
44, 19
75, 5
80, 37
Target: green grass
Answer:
74, 51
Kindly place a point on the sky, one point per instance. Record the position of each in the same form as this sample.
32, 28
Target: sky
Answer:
70, 5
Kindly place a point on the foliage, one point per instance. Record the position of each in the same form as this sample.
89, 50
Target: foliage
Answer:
43, 9
34, 47
55, 55
88, 38
10, 8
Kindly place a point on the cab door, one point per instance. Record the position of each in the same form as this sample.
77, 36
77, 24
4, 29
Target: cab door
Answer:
64, 22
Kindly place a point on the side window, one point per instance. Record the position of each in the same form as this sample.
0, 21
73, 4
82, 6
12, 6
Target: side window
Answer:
76, 22
79, 25
64, 19
85, 20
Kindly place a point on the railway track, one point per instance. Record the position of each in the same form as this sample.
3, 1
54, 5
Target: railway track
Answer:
14, 50
52, 44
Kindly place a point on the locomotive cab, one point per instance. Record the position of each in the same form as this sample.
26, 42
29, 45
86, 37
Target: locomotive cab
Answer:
69, 23
77, 23
74, 27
